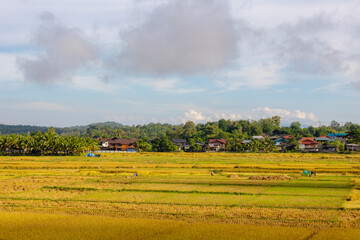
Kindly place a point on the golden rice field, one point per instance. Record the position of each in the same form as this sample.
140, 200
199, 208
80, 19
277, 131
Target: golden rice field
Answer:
174, 196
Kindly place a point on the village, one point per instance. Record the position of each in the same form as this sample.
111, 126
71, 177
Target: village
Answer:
330, 143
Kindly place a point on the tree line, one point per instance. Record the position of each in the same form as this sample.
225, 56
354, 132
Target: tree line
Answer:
48, 143
226, 129
158, 137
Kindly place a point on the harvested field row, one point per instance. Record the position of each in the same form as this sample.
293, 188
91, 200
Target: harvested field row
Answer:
124, 189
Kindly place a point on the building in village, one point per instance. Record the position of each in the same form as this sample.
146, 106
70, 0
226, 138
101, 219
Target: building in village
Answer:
308, 144
117, 144
181, 144
217, 144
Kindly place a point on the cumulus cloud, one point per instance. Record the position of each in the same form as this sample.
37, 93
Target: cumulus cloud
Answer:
320, 47
181, 37
8, 71
265, 112
287, 115
313, 46
63, 51
195, 116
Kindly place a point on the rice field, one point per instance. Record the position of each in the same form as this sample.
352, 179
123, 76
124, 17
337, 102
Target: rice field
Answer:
175, 196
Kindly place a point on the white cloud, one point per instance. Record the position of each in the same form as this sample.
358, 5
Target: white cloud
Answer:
8, 70
181, 37
64, 50
265, 112
195, 116
305, 116
287, 115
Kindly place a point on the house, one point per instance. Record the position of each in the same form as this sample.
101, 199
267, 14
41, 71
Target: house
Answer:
181, 144
308, 144
328, 148
287, 137
246, 141
285, 146
324, 139
276, 137
353, 147
280, 141
338, 136
217, 144
118, 144
258, 137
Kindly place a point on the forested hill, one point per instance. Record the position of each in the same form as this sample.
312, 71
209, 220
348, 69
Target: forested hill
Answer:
75, 130
19, 129
227, 129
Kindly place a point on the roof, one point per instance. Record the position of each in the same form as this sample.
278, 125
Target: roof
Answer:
258, 137
179, 140
280, 140
288, 136
337, 134
324, 136
123, 141
223, 141
246, 141
352, 145
324, 139
307, 141
104, 139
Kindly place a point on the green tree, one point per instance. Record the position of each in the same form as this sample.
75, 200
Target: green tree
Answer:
143, 145
189, 130
277, 120
223, 125
163, 144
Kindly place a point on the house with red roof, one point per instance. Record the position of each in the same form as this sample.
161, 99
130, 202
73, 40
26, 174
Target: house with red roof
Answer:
118, 144
308, 144
217, 144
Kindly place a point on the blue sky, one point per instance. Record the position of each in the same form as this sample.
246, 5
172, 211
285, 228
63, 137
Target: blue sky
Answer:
76, 62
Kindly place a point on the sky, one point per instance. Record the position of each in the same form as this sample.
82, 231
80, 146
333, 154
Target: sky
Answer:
76, 62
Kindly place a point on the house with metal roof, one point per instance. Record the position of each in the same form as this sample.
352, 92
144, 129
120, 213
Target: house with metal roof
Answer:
324, 140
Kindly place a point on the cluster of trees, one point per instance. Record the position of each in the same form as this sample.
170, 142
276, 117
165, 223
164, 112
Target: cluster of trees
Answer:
158, 137
226, 129
48, 143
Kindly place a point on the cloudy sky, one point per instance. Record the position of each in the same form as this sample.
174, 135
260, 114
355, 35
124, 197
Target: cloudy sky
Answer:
75, 62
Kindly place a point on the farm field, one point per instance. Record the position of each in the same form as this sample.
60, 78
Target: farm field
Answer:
174, 196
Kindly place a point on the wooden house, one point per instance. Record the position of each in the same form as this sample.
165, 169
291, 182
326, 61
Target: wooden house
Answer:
217, 144
308, 144
118, 144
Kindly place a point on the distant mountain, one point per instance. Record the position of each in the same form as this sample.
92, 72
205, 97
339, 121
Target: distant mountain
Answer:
23, 129
107, 124
19, 129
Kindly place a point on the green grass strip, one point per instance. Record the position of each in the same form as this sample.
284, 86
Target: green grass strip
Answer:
177, 191
178, 204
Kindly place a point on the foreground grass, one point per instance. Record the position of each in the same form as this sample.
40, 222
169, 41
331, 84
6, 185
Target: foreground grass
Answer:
46, 226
